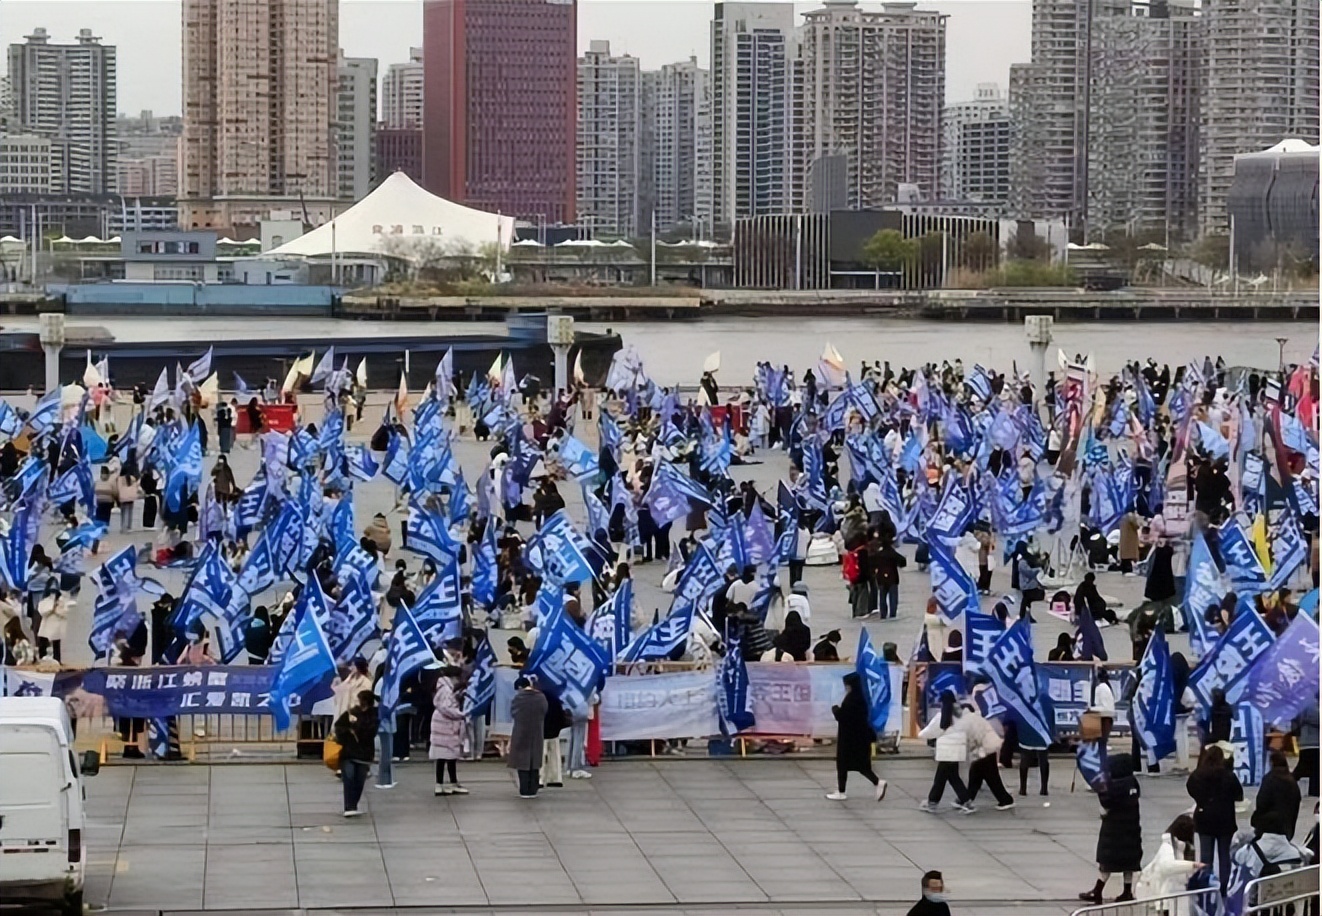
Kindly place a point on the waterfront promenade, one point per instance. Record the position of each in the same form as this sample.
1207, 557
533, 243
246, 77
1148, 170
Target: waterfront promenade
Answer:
679, 836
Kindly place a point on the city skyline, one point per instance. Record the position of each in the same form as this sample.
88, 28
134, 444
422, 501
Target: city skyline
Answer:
983, 36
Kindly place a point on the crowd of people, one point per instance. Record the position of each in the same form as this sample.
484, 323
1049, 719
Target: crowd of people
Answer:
961, 472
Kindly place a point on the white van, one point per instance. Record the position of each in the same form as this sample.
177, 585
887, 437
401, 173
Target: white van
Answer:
42, 856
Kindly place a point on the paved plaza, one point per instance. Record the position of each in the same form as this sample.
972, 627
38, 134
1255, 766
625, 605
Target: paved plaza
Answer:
689, 836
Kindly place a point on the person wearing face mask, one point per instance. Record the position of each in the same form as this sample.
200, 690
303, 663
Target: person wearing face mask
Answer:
934, 897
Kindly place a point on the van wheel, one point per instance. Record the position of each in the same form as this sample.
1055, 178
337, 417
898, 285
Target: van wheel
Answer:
73, 904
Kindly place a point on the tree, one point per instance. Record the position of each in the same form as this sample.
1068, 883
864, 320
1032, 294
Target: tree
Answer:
1027, 245
889, 250
1212, 251
420, 253
978, 252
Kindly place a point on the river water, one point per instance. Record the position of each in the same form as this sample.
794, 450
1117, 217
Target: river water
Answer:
673, 352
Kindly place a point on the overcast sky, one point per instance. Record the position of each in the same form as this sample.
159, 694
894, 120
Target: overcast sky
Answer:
983, 36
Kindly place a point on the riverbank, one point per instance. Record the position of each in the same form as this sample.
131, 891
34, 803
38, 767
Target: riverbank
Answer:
995, 305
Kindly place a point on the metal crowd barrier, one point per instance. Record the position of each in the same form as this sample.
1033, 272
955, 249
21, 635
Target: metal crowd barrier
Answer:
1206, 902
1291, 893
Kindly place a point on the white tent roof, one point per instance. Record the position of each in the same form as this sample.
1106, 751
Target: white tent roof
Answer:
400, 209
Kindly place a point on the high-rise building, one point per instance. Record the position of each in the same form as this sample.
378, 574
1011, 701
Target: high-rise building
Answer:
1260, 62
8, 116
398, 151
608, 181
355, 135
680, 98
401, 94
1143, 127
149, 176
25, 164
260, 110
869, 86
66, 93
751, 46
975, 148
1049, 107
499, 104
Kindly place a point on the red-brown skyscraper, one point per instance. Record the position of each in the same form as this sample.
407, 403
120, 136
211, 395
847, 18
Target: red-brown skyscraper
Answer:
500, 90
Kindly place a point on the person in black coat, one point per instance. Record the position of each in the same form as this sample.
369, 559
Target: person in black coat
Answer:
1215, 790
934, 897
854, 737
355, 731
1120, 841
1277, 807
1219, 718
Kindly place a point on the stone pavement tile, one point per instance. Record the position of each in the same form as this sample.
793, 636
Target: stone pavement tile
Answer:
240, 877
426, 876
340, 874
144, 832
164, 877
705, 890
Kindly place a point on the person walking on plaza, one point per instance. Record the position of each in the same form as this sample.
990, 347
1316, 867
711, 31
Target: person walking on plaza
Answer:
854, 738
1120, 841
528, 719
1215, 790
355, 731
984, 749
934, 897
447, 733
951, 751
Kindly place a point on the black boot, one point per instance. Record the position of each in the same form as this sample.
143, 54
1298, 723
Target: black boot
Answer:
1127, 895
1093, 896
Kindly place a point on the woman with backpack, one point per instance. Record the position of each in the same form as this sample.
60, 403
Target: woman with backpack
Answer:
856, 569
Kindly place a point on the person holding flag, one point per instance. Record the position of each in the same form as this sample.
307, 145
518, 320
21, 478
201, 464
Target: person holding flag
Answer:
854, 738
447, 732
1120, 840
355, 731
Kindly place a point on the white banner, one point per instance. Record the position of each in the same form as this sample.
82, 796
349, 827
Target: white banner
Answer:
26, 683
788, 700
681, 704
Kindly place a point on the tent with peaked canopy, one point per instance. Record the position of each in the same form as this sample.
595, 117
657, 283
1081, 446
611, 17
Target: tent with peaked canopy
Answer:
400, 209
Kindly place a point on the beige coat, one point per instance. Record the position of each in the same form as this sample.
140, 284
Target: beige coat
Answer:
54, 612
1129, 537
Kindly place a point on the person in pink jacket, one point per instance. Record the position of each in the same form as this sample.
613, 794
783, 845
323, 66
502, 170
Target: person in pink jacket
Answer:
447, 732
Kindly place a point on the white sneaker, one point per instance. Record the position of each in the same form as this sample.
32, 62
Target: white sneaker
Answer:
881, 789
837, 796
966, 808
442, 790
353, 813
387, 786
458, 790
580, 774
928, 807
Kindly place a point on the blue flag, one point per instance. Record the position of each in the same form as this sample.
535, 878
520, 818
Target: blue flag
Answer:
1013, 674
1289, 550
734, 699
955, 590
664, 638
1228, 664
697, 583
1152, 712
874, 672
481, 687
672, 493
579, 461
439, 608
485, 570
306, 662
184, 477
559, 552
610, 623
352, 619
980, 633
1247, 576
567, 662
1283, 682
407, 650
954, 514
1091, 758
1089, 645
1203, 588
426, 533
